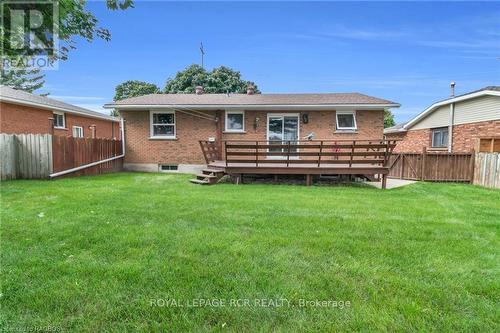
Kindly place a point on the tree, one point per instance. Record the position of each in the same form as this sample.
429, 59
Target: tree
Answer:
74, 21
135, 88
185, 81
220, 80
23, 79
388, 119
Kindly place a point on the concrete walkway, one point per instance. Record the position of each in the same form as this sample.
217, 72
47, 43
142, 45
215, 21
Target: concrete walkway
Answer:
392, 183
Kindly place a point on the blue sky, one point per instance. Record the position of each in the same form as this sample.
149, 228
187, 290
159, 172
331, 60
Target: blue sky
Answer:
407, 52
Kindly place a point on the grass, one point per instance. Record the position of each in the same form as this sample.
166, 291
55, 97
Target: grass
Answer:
93, 253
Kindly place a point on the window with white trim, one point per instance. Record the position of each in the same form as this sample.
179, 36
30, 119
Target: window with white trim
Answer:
59, 120
77, 131
235, 121
440, 137
162, 124
346, 120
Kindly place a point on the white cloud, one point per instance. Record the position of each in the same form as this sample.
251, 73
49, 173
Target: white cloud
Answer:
343, 32
364, 34
479, 44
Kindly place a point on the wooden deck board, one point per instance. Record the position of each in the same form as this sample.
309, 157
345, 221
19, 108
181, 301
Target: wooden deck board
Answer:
302, 169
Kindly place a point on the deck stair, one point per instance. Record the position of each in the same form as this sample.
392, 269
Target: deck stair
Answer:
208, 177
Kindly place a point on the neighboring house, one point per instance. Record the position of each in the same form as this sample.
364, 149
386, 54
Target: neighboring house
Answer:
452, 125
22, 112
162, 131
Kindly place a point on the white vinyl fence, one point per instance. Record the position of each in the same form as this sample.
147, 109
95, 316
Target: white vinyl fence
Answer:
25, 156
487, 170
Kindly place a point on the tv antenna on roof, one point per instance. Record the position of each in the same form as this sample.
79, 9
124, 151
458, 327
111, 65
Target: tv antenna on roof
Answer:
202, 50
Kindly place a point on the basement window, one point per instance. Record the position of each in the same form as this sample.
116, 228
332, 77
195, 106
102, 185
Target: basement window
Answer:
168, 167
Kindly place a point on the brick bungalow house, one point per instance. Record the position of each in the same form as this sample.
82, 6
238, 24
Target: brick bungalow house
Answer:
22, 112
162, 131
451, 125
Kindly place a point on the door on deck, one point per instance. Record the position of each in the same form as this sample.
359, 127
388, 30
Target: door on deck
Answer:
282, 129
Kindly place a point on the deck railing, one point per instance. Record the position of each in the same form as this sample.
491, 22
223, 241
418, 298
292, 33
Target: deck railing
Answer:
210, 151
315, 152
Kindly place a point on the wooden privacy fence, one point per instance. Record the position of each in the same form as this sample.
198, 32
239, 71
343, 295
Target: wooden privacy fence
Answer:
31, 156
443, 167
25, 156
488, 144
69, 153
487, 170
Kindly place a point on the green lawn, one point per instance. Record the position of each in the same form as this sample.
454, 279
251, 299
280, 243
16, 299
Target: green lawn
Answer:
110, 253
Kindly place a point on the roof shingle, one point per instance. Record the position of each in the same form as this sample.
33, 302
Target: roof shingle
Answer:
8, 93
253, 100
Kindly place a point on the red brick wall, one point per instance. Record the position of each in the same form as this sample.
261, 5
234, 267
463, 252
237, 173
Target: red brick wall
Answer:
184, 150
189, 129
370, 126
104, 128
411, 141
464, 137
17, 119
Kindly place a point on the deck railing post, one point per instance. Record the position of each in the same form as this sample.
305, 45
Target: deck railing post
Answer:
288, 155
352, 153
225, 151
256, 153
386, 153
320, 152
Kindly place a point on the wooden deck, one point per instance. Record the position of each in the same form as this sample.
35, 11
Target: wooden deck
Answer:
302, 169
364, 158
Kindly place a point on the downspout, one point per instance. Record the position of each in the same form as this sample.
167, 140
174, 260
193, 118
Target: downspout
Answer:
122, 133
452, 118
450, 127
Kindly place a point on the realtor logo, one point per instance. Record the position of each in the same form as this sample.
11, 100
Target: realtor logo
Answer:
29, 33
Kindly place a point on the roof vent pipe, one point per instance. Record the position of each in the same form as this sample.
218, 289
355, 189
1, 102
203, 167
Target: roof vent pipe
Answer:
452, 89
199, 90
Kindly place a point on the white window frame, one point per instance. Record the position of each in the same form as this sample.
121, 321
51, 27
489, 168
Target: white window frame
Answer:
229, 130
282, 115
63, 117
338, 128
151, 128
73, 131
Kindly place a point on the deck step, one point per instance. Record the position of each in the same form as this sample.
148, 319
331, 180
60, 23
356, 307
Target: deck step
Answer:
212, 171
208, 176
202, 175
199, 181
